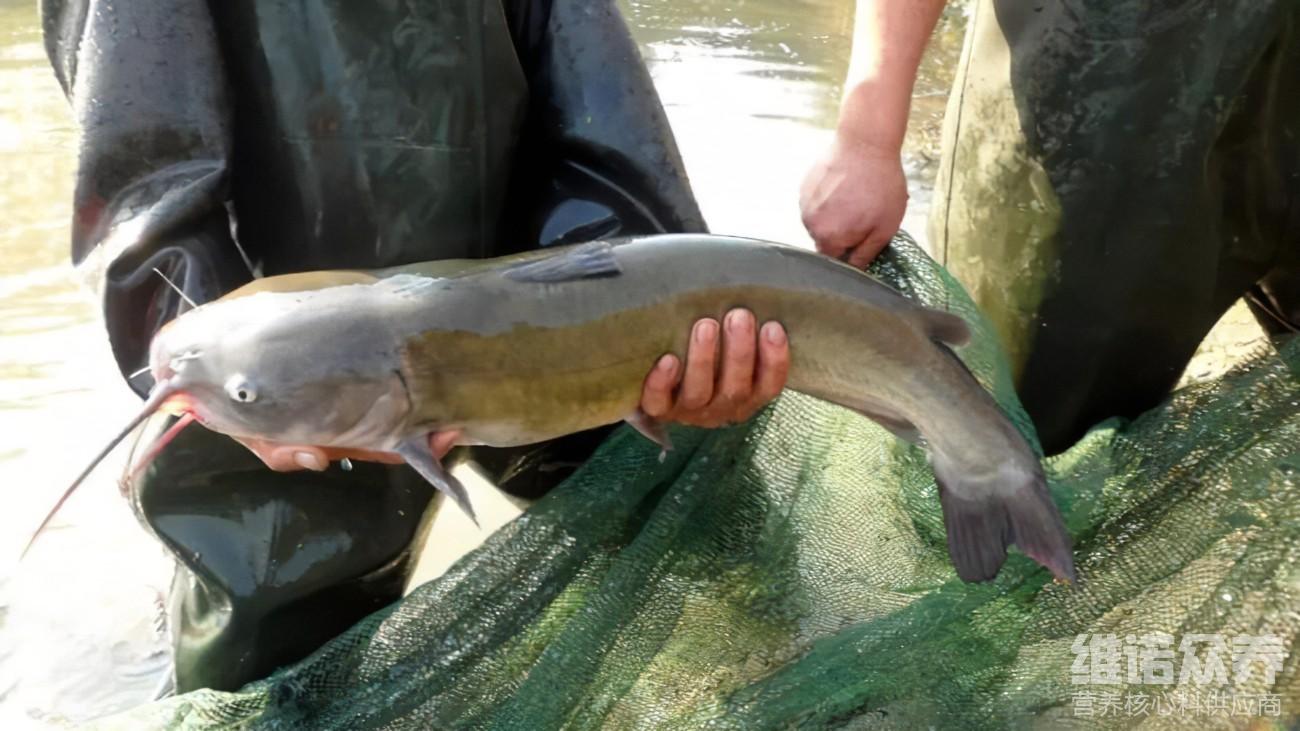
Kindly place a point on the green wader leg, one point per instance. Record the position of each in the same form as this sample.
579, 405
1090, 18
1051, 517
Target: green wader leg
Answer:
1116, 173
272, 565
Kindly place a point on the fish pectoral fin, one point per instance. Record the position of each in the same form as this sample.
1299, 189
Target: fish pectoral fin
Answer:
945, 327
652, 429
417, 454
583, 261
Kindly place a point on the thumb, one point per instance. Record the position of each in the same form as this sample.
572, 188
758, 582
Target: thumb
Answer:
291, 458
442, 442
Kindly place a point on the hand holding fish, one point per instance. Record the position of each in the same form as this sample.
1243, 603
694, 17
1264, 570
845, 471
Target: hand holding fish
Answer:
290, 457
712, 391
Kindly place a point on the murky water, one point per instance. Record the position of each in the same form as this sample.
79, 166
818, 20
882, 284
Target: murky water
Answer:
751, 87
75, 622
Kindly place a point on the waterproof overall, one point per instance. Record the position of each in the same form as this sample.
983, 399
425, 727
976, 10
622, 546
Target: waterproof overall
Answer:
236, 138
1116, 173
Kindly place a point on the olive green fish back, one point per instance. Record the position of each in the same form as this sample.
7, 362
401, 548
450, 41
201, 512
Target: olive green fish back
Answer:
792, 572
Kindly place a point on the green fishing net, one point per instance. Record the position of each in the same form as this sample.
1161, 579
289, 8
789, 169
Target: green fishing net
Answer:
792, 573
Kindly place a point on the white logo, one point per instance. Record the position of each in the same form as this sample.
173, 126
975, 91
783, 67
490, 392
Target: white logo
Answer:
1199, 674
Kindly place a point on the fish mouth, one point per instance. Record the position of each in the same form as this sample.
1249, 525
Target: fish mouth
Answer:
155, 449
179, 403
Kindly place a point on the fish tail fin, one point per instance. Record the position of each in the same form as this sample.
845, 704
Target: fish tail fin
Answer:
983, 518
983, 515
987, 506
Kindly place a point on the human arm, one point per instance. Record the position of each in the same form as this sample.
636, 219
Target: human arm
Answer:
148, 91
853, 199
852, 202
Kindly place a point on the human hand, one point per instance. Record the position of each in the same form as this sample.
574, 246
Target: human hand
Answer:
853, 199
290, 457
752, 371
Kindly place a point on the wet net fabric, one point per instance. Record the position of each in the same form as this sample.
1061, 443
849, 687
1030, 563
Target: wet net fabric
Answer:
792, 572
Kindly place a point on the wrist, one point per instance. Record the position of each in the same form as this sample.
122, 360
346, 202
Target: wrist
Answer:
873, 117
881, 148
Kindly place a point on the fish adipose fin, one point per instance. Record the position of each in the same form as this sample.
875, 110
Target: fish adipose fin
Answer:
945, 327
417, 454
584, 261
652, 429
982, 519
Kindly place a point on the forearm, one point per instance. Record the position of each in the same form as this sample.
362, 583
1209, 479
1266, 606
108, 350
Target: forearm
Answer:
153, 159
889, 38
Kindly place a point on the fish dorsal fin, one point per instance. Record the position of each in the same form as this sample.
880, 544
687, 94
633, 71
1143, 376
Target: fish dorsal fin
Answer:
945, 327
584, 261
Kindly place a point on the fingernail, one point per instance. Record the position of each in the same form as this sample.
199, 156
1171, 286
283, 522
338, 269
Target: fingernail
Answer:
737, 322
308, 461
706, 331
774, 333
667, 364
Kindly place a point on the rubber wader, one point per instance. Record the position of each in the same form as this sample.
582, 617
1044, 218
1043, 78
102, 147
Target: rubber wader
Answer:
269, 137
1116, 173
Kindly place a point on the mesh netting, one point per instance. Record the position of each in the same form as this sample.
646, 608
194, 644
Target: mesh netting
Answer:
792, 572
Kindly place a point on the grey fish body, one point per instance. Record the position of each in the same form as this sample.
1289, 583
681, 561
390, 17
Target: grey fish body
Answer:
515, 362
524, 349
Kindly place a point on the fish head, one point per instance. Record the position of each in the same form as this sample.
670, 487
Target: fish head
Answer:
297, 367
286, 367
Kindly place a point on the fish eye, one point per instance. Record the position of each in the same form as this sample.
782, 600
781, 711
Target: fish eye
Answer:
239, 389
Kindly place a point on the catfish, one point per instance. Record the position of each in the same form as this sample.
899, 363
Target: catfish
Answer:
522, 349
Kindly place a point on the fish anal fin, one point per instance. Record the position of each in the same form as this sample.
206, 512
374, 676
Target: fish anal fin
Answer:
583, 261
417, 454
652, 429
945, 327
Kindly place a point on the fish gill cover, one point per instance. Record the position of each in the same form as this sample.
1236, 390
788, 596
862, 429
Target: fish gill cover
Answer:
792, 572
